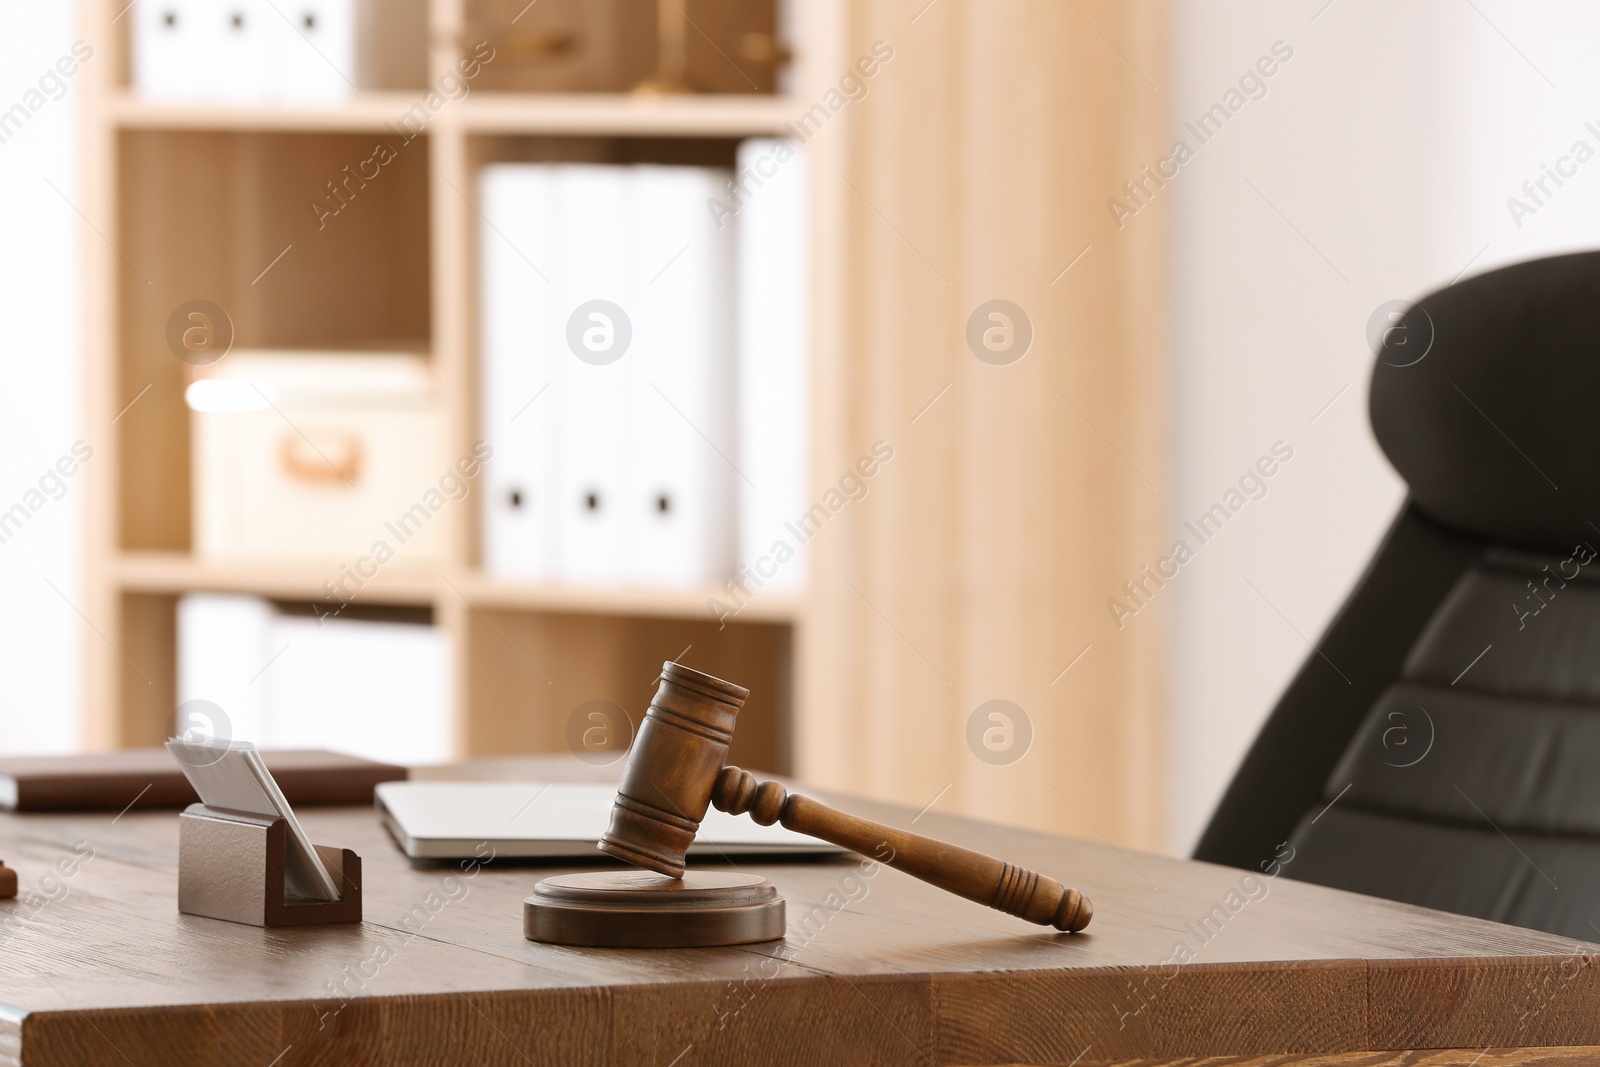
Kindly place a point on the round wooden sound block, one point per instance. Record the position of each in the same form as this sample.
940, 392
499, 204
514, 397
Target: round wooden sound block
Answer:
640, 909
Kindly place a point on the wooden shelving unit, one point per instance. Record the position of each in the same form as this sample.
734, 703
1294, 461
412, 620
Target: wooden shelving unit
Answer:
195, 201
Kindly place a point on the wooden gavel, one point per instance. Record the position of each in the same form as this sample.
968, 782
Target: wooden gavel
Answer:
676, 771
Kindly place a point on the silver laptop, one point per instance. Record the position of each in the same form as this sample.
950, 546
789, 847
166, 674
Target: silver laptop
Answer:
549, 820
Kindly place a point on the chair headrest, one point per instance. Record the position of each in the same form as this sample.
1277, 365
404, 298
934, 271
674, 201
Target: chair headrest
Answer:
1494, 422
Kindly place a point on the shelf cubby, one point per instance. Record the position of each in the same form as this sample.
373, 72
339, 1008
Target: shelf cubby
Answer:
212, 201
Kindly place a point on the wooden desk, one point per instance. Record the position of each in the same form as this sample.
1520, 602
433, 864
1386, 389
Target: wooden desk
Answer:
879, 970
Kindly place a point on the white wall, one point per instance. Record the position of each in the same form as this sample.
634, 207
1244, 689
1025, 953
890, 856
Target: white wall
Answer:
41, 638
1390, 141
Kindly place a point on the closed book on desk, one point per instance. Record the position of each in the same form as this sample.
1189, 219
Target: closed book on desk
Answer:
111, 781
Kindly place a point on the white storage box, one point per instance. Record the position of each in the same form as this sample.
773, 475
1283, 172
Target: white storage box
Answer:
378, 689
322, 457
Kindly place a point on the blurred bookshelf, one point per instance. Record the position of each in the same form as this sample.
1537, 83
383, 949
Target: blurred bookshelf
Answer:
194, 200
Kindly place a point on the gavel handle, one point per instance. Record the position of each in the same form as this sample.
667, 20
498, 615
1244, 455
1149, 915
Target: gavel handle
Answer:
979, 878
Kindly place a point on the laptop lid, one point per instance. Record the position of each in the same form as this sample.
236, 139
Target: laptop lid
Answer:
549, 820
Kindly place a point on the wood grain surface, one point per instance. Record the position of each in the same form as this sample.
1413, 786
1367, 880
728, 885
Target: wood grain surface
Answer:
979, 565
1448, 1057
1183, 960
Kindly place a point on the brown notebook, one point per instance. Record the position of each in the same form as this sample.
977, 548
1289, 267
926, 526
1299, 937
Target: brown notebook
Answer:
111, 781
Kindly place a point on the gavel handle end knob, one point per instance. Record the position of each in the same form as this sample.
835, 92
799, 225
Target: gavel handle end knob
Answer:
1074, 913
1038, 899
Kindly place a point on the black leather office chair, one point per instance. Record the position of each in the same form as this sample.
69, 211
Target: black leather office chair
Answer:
1443, 746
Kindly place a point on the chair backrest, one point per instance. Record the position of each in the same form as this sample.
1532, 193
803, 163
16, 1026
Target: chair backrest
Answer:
1443, 745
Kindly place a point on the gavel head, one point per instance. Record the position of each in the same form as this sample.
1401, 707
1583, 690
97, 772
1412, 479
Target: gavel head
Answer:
666, 786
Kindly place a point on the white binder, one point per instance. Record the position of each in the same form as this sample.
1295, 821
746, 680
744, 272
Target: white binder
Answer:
316, 51
243, 37
773, 376
519, 342
632, 454
170, 41
286, 51
205, 51
594, 232
682, 510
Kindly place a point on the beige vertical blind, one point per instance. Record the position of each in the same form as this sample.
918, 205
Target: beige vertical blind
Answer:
980, 165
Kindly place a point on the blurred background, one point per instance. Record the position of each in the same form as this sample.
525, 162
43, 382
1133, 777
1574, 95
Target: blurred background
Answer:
414, 381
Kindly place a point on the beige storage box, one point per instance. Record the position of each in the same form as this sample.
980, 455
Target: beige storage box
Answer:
318, 456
